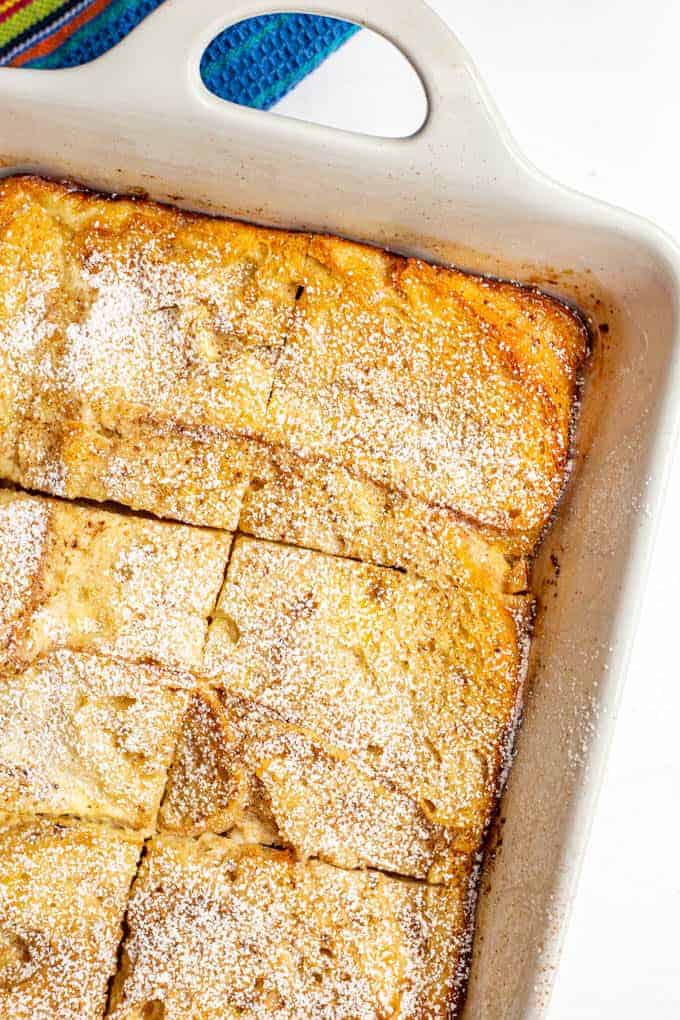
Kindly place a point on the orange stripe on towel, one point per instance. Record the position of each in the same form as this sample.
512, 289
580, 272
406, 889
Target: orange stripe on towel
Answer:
52, 42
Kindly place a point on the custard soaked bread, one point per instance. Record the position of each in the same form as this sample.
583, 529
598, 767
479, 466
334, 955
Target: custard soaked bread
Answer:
239, 770
91, 579
89, 736
394, 409
144, 327
63, 890
400, 695
218, 931
324, 506
436, 385
302, 728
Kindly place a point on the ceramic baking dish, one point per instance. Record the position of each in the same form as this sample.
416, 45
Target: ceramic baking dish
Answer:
140, 120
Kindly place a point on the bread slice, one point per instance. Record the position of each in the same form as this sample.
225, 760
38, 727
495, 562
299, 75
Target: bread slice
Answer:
160, 322
321, 505
63, 889
92, 579
239, 771
418, 687
88, 736
218, 931
433, 383
196, 476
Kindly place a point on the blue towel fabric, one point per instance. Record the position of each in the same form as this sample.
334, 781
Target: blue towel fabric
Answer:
256, 62
253, 63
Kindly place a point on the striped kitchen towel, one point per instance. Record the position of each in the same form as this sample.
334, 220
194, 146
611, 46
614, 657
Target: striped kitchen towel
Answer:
253, 63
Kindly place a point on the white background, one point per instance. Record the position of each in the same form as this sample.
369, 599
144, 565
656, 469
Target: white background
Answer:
591, 91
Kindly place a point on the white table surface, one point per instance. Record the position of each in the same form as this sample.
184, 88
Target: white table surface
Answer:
591, 90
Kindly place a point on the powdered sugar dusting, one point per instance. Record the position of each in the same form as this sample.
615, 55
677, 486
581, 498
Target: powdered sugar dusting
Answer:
239, 770
416, 685
149, 343
123, 585
315, 392
25, 325
321, 942
88, 736
391, 374
63, 889
23, 535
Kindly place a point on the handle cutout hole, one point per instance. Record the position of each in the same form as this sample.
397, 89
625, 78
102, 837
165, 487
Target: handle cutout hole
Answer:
317, 69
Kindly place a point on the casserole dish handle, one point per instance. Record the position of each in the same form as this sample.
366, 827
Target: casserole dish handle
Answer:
153, 76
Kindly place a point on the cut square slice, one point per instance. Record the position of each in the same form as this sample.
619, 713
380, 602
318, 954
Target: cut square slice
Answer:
418, 686
218, 931
318, 505
451, 388
179, 317
88, 736
161, 321
92, 579
239, 771
63, 890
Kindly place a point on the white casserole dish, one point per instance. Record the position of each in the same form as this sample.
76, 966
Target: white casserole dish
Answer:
140, 120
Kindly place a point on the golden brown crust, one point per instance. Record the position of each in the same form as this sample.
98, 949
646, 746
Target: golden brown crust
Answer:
63, 889
154, 322
413, 394
399, 371
31, 270
322, 943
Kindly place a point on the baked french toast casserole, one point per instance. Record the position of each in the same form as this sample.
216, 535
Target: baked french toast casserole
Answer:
269, 503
